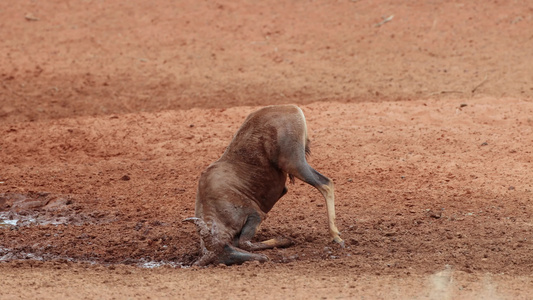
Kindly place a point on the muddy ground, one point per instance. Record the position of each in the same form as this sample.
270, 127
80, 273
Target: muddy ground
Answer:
421, 112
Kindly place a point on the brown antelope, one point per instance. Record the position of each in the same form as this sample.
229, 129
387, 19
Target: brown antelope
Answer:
237, 191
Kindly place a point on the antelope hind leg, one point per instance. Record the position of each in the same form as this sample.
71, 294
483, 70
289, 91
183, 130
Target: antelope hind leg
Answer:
328, 191
325, 185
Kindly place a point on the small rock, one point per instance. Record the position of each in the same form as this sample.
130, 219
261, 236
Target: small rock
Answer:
435, 215
31, 17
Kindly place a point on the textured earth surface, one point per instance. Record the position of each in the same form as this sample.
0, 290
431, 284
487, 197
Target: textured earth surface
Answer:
421, 112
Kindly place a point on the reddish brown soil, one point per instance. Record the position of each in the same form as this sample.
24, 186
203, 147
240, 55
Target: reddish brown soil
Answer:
110, 111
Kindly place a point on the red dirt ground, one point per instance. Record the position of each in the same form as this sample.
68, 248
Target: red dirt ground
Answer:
109, 111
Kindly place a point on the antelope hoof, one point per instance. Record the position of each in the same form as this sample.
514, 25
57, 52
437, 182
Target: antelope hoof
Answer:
262, 258
339, 241
284, 242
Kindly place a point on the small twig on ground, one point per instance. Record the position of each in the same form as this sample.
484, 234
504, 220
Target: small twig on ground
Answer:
479, 85
385, 20
446, 92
